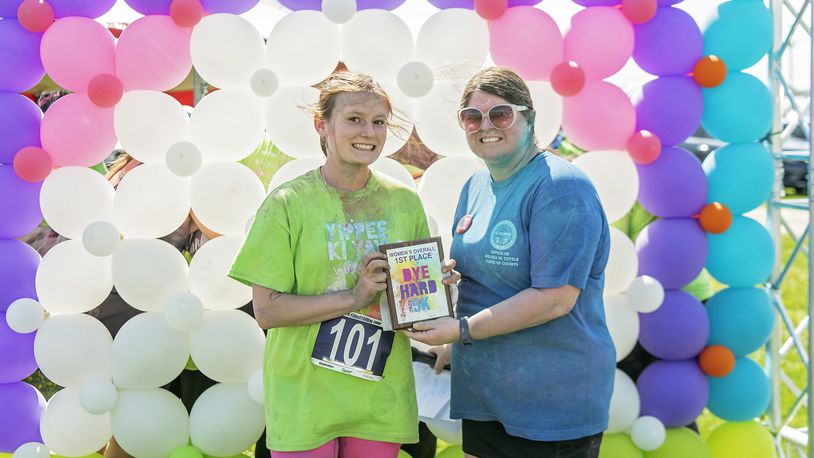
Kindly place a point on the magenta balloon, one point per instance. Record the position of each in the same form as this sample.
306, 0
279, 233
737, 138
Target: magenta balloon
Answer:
22, 409
679, 329
16, 353
153, 54
17, 272
77, 132
673, 251
76, 49
84, 8
527, 40
600, 41
671, 107
20, 64
20, 205
674, 185
600, 117
19, 125
675, 392
316, 5
669, 44
232, 6
150, 7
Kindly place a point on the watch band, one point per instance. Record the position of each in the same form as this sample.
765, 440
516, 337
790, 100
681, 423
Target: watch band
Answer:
466, 338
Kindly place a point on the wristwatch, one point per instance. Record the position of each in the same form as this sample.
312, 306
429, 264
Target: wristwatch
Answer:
466, 339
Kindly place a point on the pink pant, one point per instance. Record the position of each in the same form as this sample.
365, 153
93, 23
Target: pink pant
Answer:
346, 447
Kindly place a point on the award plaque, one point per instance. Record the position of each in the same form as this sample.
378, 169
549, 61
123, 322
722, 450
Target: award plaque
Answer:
414, 289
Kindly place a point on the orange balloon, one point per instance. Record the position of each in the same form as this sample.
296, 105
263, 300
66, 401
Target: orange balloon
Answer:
716, 361
715, 218
709, 71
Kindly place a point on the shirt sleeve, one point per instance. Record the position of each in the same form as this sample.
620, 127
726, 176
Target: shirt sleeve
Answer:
266, 257
565, 236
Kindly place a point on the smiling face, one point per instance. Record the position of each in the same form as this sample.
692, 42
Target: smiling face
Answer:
492, 144
355, 129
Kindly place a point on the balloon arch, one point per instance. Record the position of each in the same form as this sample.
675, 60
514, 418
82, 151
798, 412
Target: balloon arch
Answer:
111, 386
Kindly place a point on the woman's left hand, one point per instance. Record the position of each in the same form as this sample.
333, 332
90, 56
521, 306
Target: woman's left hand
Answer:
451, 276
436, 332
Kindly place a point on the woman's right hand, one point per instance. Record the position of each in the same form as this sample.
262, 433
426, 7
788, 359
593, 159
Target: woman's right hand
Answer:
443, 355
372, 279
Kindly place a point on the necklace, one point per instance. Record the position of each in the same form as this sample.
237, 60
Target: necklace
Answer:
342, 201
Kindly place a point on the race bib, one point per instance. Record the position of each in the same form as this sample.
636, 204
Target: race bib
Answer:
353, 344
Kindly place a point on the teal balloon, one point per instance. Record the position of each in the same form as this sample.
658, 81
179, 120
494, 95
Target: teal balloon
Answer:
739, 110
742, 395
741, 35
740, 319
739, 176
741, 256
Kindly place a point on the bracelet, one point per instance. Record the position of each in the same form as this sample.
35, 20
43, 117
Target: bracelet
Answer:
466, 338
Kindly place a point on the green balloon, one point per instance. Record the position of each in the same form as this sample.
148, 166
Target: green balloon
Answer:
403, 454
618, 446
186, 451
681, 443
743, 439
453, 451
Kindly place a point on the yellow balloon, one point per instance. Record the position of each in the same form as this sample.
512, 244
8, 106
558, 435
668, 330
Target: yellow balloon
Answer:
453, 451
743, 439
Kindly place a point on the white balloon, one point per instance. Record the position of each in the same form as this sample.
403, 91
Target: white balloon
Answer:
415, 79
101, 238
264, 82
227, 125
148, 353
648, 433
383, 56
454, 39
256, 387
623, 263
73, 197
339, 11
72, 349
146, 272
228, 347
31, 450
449, 431
225, 421
624, 405
98, 396
288, 125
149, 423
441, 185
303, 47
394, 170
148, 122
623, 324
184, 311
293, 169
226, 50
645, 294
24, 315
437, 119
71, 280
548, 109
184, 158
225, 195
615, 178
403, 114
151, 202
208, 278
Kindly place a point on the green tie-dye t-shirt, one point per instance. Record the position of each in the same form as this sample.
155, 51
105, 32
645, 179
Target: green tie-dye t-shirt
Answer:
302, 243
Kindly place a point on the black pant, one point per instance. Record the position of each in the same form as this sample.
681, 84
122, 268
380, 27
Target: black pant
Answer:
489, 439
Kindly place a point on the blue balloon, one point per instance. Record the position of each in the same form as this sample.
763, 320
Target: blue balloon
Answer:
84, 8
741, 35
740, 176
739, 110
741, 395
743, 255
740, 319
20, 64
19, 125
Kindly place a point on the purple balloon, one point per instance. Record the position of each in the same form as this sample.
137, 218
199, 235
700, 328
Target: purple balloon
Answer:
22, 409
674, 185
150, 7
19, 125
20, 64
677, 330
16, 353
669, 44
232, 6
8, 8
673, 251
675, 392
668, 2
589, 3
17, 272
671, 107
20, 206
316, 5
84, 8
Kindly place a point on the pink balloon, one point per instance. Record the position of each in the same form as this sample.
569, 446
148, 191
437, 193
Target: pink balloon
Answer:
186, 13
639, 11
644, 147
600, 40
77, 132
491, 9
600, 117
527, 40
35, 16
74, 50
153, 54
567, 79
32, 164
105, 91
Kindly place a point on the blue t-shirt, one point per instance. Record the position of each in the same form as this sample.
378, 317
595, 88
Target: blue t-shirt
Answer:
543, 227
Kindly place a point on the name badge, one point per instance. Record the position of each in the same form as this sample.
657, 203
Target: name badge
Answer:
353, 344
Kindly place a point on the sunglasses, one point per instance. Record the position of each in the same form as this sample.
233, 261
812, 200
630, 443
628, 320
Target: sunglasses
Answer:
500, 116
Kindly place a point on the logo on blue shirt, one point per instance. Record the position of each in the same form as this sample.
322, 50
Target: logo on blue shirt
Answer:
503, 236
